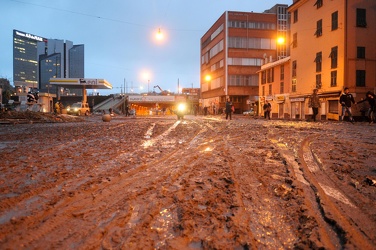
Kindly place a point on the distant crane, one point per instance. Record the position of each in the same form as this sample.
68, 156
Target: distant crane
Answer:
163, 92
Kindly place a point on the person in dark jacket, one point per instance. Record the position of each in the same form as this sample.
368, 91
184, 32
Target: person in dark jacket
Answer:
267, 109
346, 100
314, 103
228, 109
370, 98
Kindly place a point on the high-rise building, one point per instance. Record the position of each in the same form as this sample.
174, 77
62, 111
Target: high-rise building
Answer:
232, 52
37, 59
26, 51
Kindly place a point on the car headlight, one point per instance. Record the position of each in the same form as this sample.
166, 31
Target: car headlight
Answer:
181, 107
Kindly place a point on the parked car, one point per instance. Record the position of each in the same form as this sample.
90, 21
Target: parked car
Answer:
78, 108
250, 112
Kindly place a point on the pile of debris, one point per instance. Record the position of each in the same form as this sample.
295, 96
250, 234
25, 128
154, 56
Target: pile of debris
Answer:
17, 117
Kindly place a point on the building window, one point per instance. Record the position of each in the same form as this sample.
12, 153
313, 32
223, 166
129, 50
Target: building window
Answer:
318, 61
318, 81
251, 43
270, 73
334, 57
360, 78
270, 89
335, 20
263, 77
293, 85
318, 3
282, 87
333, 78
295, 40
318, 32
242, 80
294, 66
361, 20
282, 73
361, 52
295, 16
263, 90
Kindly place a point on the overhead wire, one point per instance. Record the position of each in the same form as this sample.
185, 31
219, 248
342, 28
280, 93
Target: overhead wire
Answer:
95, 16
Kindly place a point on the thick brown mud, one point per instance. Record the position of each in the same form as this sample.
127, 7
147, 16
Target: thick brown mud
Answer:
199, 183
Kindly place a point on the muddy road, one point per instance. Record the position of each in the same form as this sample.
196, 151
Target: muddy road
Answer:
200, 183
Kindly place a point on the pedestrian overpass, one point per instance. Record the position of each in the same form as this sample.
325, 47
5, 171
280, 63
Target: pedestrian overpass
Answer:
141, 103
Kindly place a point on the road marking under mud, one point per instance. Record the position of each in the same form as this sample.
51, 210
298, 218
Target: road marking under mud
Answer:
314, 168
308, 158
291, 160
149, 133
334, 193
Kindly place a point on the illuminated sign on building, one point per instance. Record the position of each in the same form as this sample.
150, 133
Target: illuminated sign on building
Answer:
30, 36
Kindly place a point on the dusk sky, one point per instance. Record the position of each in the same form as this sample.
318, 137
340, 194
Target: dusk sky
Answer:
119, 36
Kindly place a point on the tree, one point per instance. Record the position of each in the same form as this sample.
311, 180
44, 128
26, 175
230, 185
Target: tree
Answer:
7, 90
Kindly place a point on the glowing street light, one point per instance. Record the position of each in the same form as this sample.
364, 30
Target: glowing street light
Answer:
146, 77
159, 36
280, 40
208, 78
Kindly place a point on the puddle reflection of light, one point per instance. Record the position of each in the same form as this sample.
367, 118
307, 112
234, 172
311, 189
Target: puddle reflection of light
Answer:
148, 143
208, 149
163, 224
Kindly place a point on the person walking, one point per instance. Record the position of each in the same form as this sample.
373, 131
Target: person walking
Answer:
267, 109
346, 100
314, 103
57, 108
370, 98
364, 109
228, 109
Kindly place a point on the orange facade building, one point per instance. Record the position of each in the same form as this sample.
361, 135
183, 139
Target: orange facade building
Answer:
232, 52
332, 46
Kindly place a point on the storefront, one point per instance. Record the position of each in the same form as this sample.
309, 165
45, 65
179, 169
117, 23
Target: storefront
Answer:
297, 107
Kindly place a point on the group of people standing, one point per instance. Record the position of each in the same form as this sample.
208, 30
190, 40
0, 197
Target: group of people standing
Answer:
346, 100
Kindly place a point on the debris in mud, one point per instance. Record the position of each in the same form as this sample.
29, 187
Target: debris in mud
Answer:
370, 181
17, 117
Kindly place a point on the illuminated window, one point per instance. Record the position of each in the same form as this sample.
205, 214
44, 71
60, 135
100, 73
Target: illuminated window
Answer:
293, 85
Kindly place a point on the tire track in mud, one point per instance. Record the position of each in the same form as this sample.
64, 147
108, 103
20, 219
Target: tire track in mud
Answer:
264, 187
172, 223
42, 196
334, 205
56, 222
324, 201
314, 230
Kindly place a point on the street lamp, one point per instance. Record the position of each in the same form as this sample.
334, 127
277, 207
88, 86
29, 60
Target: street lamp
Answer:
280, 40
159, 36
146, 76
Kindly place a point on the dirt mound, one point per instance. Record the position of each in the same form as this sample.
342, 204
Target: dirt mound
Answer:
15, 117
